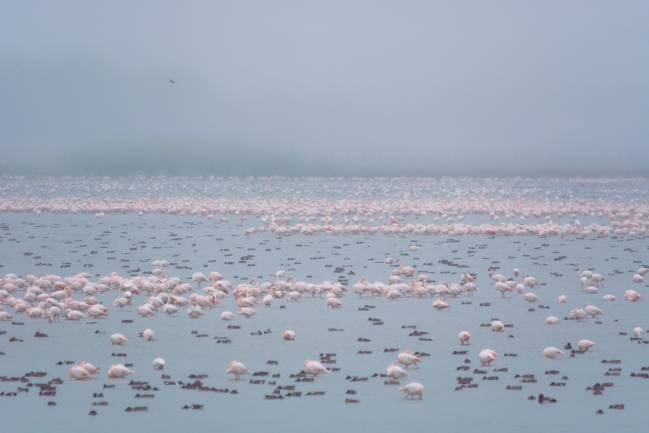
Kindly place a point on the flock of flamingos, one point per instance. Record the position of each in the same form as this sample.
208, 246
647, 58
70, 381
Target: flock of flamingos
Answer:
505, 217
485, 209
53, 298
400, 206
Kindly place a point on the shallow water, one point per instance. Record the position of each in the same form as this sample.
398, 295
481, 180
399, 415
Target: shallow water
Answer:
68, 243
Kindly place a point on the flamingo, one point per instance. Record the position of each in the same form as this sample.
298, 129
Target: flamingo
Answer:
439, 305
119, 371
585, 345
497, 326
247, 312
77, 372
552, 320
159, 364
552, 352
578, 314
394, 373
198, 278
314, 368
118, 339
464, 337
412, 390
408, 358
487, 356
530, 297
334, 303
237, 369
593, 311
148, 334
91, 369
631, 295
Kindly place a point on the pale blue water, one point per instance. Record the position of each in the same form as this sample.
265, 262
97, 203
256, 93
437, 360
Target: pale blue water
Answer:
614, 189
64, 244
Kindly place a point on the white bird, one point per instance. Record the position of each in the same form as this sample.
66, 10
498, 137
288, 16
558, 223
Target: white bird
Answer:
530, 281
247, 312
413, 390
439, 305
227, 315
159, 364
408, 358
119, 371
530, 297
643, 270
77, 372
465, 337
637, 332
236, 368
487, 356
314, 368
552, 352
118, 339
195, 311
577, 313
497, 326
198, 277
631, 295
91, 369
288, 335
75, 315
502, 288
394, 372
148, 334
552, 320
585, 345
593, 311
169, 309
334, 303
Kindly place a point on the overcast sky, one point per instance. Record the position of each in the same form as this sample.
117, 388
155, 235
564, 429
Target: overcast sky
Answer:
324, 87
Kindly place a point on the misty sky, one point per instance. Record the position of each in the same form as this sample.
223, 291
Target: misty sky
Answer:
327, 87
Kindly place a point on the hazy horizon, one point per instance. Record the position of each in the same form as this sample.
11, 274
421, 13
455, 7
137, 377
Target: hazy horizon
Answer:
330, 89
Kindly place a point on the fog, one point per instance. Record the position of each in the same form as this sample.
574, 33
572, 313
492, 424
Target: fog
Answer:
324, 88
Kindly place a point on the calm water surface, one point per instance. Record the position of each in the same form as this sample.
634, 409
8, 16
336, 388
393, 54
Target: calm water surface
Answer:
127, 244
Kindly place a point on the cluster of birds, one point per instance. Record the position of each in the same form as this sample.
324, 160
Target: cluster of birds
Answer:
52, 297
370, 207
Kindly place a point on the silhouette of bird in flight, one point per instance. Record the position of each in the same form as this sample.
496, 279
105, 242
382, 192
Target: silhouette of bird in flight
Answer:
171, 81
